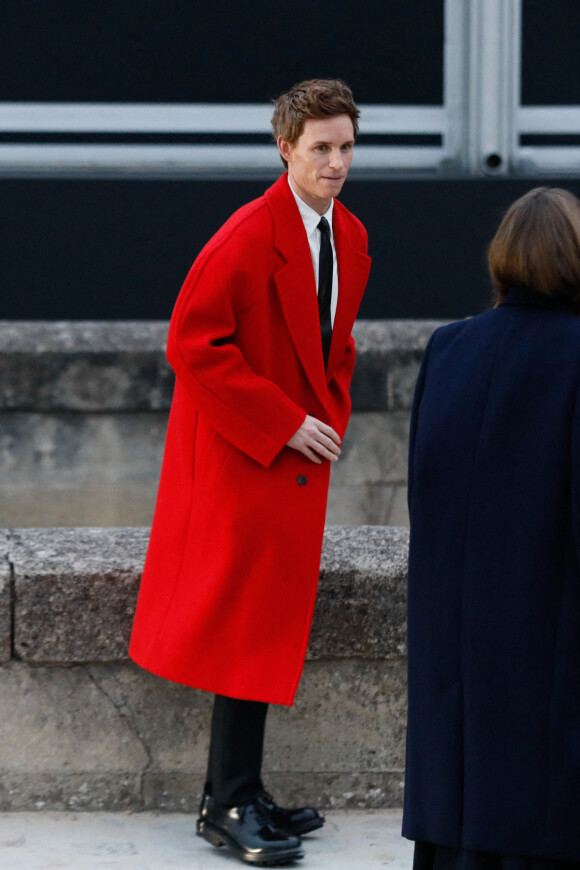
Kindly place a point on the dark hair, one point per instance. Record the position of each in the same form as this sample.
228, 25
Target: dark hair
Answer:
315, 98
537, 246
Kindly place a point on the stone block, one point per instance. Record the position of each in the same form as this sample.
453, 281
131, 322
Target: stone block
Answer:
348, 716
60, 719
374, 450
399, 513
389, 353
90, 504
115, 737
84, 366
370, 383
121, 365
5, 599
169, 721
368, 504
75, 592
361, 604
70, 469
80, 449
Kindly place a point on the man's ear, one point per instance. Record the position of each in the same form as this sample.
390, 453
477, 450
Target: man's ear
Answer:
284, 148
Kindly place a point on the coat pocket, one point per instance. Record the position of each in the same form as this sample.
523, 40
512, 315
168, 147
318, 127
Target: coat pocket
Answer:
211, 453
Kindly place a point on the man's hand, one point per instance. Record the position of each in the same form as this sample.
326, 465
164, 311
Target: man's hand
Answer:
316, 441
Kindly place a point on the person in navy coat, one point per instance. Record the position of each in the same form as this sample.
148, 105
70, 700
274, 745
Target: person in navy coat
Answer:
493, 741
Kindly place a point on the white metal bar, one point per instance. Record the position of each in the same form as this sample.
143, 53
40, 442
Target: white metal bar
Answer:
514, 70
133, 118
474, 85
551, 160
455, 69
138, 158
194, 118
176, 159
397, 158
548, 119
494, 58
402, 119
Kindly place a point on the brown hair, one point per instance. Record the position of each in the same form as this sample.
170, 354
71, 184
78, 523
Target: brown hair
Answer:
537, 246
315, 98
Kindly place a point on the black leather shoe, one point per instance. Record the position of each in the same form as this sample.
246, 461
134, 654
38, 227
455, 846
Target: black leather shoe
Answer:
298, 821
248, 831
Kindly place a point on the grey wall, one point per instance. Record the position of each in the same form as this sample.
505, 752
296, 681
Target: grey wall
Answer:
83, 409
83, 412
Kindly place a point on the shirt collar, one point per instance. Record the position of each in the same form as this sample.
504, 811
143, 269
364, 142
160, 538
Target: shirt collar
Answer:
310, 217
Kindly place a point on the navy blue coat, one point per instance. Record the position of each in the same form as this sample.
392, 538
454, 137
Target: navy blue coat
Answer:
493, 743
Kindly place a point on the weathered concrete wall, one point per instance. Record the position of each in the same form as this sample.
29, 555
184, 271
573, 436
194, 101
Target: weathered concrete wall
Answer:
82, 728
83, 411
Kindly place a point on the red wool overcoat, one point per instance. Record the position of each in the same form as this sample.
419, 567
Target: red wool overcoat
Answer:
230, 578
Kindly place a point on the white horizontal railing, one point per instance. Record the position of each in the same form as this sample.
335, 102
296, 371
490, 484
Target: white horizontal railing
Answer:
194, 118
125, 159
134, 160
134, 118
547, 159
183, 159
72, 158
546, 121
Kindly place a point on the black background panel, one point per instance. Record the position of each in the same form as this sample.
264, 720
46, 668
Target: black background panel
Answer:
230, 51
551, 53
121, 249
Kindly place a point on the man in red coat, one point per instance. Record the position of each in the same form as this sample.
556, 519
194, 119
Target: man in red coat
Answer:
260, 342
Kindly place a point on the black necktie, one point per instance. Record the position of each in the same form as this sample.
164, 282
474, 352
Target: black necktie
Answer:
325, 287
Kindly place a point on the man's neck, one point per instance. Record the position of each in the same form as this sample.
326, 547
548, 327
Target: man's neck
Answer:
320, 207
317, 205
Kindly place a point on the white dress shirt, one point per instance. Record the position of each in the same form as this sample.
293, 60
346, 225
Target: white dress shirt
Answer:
311, 219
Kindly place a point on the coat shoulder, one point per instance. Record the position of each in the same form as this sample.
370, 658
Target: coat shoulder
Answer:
243, 244
447, 333
242, 249
250, 225
555, 326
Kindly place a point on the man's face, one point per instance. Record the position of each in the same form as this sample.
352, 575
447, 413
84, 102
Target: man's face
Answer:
319, 161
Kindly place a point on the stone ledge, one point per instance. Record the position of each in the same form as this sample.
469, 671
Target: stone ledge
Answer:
84, 366
75, 593
361, 608
120, 365
5, 601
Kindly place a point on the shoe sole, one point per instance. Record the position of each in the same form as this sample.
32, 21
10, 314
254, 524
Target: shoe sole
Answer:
219, 838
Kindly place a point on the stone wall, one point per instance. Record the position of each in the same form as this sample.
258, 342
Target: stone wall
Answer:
83, 411
83, 728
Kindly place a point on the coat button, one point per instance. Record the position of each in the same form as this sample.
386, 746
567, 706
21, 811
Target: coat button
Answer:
301, 480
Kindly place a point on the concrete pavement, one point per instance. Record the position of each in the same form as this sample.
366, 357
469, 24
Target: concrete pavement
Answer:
353, 840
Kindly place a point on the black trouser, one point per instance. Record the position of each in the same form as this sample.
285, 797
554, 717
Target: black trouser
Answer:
235, 750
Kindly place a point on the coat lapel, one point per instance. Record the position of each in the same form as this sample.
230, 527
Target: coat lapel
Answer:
296, 284
353, 272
